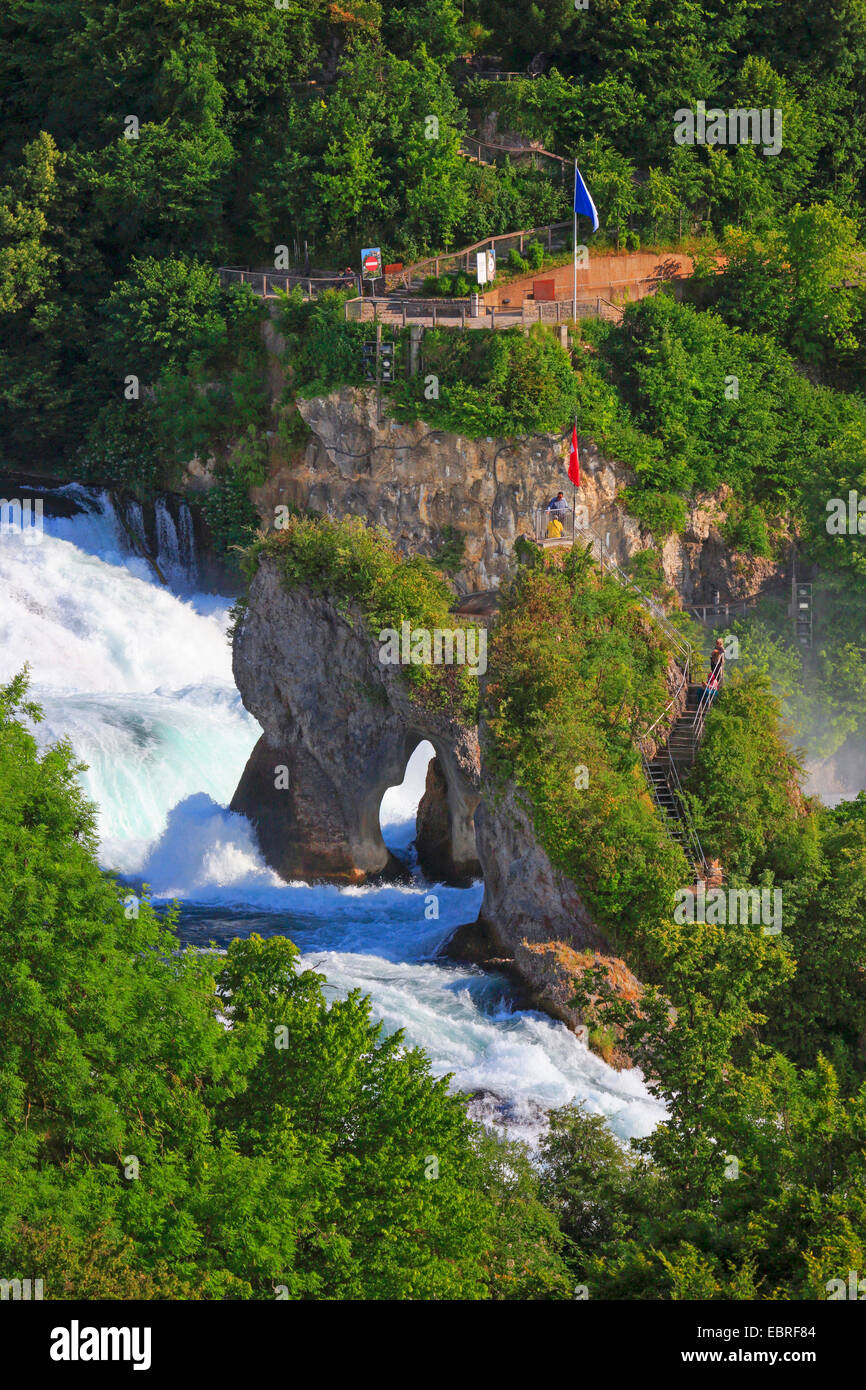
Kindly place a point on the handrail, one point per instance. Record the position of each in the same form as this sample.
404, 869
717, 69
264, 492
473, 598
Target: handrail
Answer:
703, 706
686, 815
419, 266
519, 150
679, 643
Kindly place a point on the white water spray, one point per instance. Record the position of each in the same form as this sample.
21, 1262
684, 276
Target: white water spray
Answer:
140, 680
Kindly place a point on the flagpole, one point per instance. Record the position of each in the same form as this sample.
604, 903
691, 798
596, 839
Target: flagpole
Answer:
574, 244
574, 501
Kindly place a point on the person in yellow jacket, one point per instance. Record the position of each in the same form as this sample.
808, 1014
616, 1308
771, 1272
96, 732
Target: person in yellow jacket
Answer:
555, 528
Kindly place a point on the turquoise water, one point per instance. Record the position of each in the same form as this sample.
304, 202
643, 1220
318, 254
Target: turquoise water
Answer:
139, 678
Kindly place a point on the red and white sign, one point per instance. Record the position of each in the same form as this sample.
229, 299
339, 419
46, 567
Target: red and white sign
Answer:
371, 262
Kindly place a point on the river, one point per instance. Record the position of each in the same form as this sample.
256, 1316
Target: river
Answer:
138, 676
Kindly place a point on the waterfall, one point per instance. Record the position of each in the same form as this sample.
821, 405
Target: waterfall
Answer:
135, 523
188, 556
167, 544
175, 545
139, 679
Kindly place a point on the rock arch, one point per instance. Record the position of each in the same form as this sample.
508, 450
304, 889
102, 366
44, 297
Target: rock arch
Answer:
339, 728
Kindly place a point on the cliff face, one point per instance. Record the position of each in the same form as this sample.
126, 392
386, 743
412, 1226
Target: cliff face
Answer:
416, 481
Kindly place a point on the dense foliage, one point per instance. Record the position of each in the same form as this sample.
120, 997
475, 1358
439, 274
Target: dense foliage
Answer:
577, 675
149, 1150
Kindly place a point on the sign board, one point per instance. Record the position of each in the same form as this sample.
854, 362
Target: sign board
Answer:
481, 267
491, 265
371, 263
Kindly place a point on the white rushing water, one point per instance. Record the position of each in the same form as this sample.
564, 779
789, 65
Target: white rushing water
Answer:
139, 678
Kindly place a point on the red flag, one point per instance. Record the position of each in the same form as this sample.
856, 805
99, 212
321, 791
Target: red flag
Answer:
573, 460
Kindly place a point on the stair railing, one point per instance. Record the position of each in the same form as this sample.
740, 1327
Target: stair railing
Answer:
686, 654
686, 816
681, 646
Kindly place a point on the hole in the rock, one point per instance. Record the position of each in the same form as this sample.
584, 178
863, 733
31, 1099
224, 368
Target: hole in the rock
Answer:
400, 804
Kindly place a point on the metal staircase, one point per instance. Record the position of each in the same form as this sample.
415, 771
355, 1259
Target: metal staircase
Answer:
663, 778
662, 767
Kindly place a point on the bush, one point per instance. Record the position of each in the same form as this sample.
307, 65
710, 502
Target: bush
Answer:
231, 516
430, 286
517, 263
746, 529
576, 673
259, 1166
535, 255
449, 557
492, 383
461, 286
660, 512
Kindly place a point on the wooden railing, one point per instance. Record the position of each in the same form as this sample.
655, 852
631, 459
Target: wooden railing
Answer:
554, 234
266, 283
474, 148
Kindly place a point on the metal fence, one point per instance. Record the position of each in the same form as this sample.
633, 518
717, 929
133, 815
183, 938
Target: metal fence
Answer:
712, 613
562, 310
555, 524
431, 313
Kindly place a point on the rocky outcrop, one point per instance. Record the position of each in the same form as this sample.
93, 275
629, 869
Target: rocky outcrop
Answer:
435, 822
416, 482
338, 730
525, 897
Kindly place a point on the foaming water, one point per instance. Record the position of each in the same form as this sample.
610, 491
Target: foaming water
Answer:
136, 676
139, 678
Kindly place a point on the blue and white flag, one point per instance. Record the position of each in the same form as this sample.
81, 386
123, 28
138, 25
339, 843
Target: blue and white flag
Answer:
583, 204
